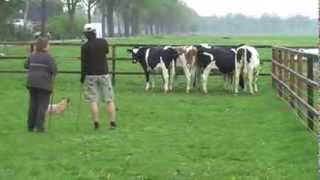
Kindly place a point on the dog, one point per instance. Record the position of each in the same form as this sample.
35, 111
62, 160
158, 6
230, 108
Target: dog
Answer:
59, 108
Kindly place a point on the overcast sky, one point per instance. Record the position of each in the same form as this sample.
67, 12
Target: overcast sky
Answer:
283, 8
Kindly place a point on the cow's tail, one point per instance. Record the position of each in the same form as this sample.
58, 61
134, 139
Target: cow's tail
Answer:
245, 61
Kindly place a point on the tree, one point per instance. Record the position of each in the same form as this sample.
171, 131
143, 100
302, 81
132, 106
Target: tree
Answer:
71, 9
25, 13
89, 5
43, 16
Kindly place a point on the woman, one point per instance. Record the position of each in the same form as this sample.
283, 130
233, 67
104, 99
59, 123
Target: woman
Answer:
41, 73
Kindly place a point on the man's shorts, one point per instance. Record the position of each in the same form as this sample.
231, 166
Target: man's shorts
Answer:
98, 87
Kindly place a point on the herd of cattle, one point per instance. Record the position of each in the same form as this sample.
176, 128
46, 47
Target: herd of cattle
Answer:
239, 66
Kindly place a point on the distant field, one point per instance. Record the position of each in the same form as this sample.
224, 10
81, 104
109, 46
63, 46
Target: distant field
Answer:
175, 136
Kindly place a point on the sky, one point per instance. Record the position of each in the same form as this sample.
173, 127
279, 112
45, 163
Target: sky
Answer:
283, 8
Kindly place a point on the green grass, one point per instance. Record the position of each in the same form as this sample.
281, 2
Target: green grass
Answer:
160, 136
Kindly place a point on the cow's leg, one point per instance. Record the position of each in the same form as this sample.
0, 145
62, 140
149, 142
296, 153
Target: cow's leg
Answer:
205, 76
245, 81
225, 78
236, 78
227, 81
172, 75
193, 76
255, 79
250, 80
188, 77
198, 77
147, 74
165, 75
152, 80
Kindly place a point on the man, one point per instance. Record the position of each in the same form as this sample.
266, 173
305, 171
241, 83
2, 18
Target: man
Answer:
94, 75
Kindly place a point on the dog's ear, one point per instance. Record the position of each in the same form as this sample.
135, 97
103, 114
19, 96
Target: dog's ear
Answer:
129, 50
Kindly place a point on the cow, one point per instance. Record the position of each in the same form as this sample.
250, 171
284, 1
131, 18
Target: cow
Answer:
154, 58
249, 66
219, 58
187, 61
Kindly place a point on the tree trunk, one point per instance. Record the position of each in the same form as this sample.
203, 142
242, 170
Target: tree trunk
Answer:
89, 12
72, 23
135, 23
119, 24
25, 15
43, 17
126, 23
103, 20
146, 29
103, 25
110, 23
151, 28
157, 28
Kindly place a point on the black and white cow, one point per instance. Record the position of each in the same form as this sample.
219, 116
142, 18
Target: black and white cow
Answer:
154, 58
248, 66
219, 58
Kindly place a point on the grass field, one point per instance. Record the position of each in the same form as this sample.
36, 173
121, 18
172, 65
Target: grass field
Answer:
160, 136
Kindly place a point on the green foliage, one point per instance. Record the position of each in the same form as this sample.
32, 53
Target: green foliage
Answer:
60, 28
8, 9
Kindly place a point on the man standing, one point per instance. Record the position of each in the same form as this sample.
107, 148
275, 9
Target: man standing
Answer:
94, 75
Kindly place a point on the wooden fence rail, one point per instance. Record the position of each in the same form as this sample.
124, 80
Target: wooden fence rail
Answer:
293, 78
114, 58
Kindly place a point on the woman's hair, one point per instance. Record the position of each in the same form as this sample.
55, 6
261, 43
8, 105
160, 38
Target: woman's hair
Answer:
42, 44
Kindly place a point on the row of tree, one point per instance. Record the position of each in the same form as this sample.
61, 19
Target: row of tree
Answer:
141, 17
135, 17
267, 24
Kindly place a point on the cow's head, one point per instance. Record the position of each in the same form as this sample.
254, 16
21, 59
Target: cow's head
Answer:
136, 53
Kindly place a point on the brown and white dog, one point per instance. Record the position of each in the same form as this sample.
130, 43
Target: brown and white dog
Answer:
59, 108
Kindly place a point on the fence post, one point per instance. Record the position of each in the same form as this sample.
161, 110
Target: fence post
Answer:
273, 67
113, 56
280, 56
292, 78
286, 74
299, 84
310, 92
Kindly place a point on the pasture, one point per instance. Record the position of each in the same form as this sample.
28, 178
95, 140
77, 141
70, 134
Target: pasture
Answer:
160, 136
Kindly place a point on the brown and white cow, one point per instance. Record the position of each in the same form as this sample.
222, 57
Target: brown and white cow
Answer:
187, 61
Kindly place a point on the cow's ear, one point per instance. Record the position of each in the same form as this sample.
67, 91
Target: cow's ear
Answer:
129, 50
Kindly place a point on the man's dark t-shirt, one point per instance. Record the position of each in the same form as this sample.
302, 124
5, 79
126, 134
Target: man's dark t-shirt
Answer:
93, 58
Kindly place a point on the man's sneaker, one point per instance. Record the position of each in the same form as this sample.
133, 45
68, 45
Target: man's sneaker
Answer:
96, 125
113, 125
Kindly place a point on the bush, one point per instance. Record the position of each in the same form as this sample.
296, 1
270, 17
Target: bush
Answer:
61, 28
8, 33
